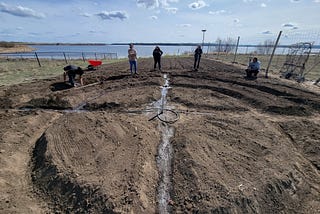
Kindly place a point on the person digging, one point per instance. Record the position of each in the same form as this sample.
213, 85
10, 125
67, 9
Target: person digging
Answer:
72, 71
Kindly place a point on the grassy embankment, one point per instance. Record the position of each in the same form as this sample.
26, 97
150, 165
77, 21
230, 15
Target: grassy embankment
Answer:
14, 71
312, 68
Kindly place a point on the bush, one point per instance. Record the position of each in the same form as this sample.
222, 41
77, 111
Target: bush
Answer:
7, 44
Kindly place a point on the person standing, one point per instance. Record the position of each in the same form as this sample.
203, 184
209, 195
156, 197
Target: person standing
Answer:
132, 55
197, 57
157, 53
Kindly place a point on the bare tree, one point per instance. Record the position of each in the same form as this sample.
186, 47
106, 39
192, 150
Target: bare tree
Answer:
225, 45
265, 47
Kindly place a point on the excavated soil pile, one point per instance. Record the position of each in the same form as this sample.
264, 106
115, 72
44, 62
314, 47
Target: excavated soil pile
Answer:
239, 146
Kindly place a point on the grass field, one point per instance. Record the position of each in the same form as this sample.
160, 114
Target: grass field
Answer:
13, 71
312, 68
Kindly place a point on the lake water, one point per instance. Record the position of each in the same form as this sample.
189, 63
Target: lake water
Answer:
120, 50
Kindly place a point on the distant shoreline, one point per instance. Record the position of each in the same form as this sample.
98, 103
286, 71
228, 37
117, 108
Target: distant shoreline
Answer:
17, 49
102, 44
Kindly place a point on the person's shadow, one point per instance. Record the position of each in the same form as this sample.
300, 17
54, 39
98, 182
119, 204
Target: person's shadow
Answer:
250, 78
59, 86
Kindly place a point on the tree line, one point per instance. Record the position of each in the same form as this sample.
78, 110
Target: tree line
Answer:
229, 44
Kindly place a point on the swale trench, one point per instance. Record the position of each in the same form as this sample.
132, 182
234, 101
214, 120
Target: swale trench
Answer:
166, 116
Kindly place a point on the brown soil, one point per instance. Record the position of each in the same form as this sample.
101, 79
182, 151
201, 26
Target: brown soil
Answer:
239, 146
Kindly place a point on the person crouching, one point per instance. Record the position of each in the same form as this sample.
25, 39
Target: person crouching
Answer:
253, 68
72, 71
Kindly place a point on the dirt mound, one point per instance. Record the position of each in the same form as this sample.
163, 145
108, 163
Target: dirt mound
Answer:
234, 146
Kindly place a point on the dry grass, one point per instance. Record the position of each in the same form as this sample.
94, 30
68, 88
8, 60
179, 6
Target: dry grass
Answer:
276, 64
14, 71
14, 48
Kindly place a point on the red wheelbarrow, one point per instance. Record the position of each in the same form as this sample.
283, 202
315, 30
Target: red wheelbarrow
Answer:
94, 64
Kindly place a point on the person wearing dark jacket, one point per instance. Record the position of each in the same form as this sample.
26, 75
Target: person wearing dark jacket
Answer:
72, 71
197, 57
157, 53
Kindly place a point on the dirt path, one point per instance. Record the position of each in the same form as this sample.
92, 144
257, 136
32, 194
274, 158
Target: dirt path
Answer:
239, 146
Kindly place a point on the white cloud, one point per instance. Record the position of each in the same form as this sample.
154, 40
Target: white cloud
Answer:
20, 11
267, 32
263, 5
197, 5
113, 15
166, 3
316, 1
172, 10
86, 14
152, 4
218, 12
289, 25
185, 25
148, 3
295, 1
154, 17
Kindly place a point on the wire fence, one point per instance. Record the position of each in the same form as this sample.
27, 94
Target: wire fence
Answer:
290, 49
276, 58
40, 57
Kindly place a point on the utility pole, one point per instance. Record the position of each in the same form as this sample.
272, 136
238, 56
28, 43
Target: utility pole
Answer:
203, 32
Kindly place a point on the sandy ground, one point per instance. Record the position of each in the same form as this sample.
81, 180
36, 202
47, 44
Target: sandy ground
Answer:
234, 145
16, 49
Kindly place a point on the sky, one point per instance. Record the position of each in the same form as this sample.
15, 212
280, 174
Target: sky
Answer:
156, 21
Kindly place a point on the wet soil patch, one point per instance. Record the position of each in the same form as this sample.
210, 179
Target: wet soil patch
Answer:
60, 86
288, 110
52, 102
5, 103
103, 106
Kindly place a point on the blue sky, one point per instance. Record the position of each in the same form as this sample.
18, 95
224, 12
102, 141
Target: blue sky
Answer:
110, 21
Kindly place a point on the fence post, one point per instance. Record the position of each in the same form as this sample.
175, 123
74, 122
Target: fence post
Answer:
83, 57
235, 53
65, 58
274, 48
35, 53
219, 49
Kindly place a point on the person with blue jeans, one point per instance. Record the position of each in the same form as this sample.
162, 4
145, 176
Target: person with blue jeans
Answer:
253, 68
132, 55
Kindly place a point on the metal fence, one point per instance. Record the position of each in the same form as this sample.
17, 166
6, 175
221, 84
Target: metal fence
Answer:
66, 56
298, 58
